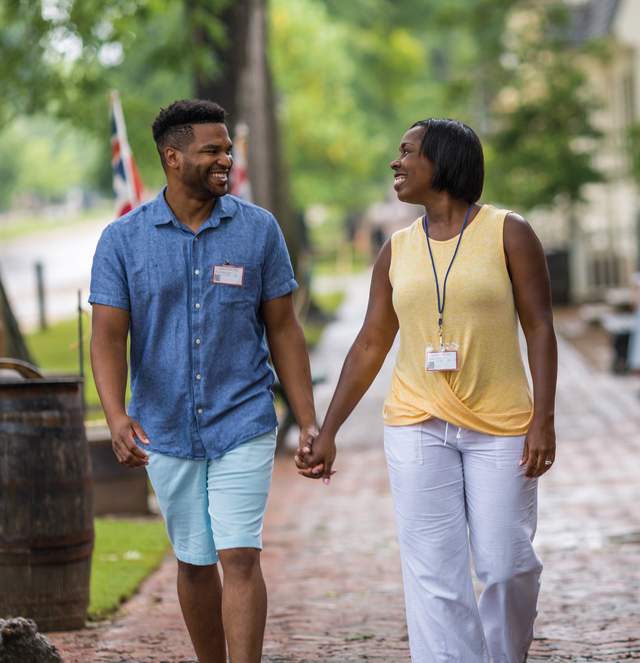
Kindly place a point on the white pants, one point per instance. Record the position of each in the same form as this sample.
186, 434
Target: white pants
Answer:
456, 489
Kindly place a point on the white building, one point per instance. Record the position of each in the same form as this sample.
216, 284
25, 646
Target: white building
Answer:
606, 248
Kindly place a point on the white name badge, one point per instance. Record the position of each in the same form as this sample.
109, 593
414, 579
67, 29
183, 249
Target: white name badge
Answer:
445, 360
228, 275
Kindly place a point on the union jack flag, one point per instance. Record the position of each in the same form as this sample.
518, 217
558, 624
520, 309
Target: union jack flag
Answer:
240, 184
127, 184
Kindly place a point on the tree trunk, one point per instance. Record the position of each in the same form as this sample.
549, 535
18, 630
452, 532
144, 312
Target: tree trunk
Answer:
243, 85
219, 59
257, 107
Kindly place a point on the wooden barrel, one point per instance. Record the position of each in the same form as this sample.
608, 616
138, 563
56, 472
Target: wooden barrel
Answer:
46, 513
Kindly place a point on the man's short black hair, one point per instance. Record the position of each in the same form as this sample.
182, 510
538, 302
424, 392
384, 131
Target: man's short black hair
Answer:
456, 153
174, 125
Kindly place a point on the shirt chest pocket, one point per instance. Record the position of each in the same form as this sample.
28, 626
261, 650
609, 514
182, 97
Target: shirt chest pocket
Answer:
235, 284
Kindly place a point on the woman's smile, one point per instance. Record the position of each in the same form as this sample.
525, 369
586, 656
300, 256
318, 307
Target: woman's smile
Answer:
398, 180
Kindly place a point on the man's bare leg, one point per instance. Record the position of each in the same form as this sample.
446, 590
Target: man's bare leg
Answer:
244, 603
200, 595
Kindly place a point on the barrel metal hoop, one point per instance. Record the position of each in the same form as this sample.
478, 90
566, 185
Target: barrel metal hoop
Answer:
38, 556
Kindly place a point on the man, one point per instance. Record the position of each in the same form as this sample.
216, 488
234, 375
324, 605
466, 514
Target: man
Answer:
196, 277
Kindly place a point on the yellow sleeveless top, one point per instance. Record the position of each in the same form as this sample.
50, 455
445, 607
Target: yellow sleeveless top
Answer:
490, 393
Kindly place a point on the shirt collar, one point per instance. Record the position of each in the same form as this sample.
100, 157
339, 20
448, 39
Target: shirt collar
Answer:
224, 208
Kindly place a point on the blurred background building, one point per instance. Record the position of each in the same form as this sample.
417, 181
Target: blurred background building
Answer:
606, 240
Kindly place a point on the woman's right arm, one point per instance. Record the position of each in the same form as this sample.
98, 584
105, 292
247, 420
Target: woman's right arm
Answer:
362, 364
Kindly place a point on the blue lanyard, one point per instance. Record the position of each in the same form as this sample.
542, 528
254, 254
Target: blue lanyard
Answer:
425, 227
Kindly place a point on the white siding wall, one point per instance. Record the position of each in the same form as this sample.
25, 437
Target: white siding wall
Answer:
609, 217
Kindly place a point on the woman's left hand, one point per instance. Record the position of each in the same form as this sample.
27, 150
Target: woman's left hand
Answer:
539, 451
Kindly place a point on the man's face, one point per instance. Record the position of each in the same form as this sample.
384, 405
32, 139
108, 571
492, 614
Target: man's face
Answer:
203, 166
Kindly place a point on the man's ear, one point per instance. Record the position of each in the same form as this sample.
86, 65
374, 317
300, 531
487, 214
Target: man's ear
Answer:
172, 157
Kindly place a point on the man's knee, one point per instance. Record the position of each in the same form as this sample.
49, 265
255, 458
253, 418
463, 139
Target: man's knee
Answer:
193, 573
240, 563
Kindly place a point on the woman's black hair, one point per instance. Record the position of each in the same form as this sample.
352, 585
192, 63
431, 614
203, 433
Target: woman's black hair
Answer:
455, 151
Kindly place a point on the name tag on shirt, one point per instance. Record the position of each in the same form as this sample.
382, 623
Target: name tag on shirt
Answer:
228, 275
445, 360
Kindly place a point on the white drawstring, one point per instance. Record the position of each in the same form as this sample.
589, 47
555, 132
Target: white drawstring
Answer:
446, 433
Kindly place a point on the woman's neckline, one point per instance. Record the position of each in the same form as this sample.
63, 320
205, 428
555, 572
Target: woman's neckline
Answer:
470, 223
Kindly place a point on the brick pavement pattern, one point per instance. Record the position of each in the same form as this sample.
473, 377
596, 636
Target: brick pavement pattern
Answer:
331, 558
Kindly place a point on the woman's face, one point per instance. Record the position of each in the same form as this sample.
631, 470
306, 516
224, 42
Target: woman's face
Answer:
413, 172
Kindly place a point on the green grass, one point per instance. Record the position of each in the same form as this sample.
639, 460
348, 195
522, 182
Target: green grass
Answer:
312, 334
330, 264
125, 553
55, 351
329, 302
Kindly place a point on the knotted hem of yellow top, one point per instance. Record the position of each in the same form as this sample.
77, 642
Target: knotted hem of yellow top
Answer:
445, 405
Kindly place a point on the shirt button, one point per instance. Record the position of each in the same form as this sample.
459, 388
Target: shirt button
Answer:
196, 272
198, 376
199, 410
197, 341
197, 304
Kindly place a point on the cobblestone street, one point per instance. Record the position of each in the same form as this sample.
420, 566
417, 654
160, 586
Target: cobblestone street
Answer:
331, 559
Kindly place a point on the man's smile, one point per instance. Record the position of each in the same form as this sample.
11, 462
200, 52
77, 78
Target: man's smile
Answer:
220, 176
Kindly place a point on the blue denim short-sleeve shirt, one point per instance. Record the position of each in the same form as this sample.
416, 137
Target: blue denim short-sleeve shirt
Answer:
200, 380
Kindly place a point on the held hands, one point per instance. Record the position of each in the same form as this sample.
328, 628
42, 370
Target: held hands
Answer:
306, 438
539, 451
123, 431
315, 456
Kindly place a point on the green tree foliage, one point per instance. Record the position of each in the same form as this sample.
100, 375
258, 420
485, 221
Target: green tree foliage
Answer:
399, 62
9, 174
544, 140
62, 57
330, 149
41, 160
350, 78
507, 67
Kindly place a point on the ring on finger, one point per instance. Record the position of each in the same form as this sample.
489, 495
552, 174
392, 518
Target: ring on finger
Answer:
548, 462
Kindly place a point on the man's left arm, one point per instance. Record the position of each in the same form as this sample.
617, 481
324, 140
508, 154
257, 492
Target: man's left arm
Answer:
291, 362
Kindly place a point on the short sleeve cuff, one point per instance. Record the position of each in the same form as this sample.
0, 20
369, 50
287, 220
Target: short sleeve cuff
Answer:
279, 291
108, 300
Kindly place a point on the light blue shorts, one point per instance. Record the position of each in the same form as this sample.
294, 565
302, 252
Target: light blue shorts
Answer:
211, 505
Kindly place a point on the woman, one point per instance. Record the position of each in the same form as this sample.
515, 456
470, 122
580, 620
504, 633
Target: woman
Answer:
464, 439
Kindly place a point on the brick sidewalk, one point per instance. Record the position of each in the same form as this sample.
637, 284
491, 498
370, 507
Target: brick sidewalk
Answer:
331, 558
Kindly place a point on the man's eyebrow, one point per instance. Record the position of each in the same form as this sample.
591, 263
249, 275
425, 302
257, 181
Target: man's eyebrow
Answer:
216, 146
